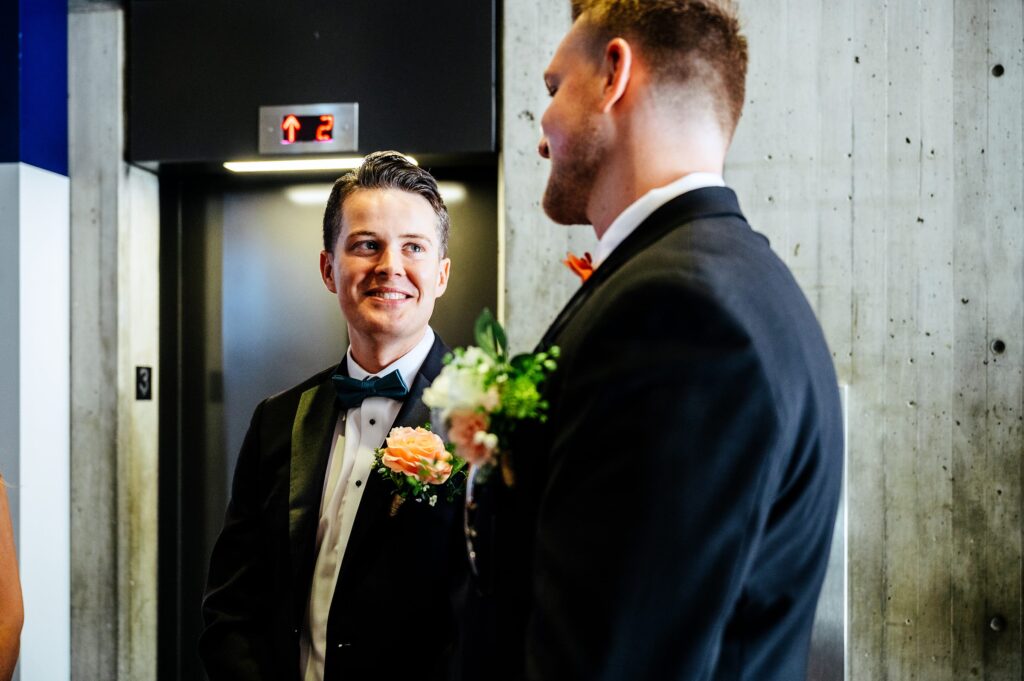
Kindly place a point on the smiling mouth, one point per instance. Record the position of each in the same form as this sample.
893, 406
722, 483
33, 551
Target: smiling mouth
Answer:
388, 295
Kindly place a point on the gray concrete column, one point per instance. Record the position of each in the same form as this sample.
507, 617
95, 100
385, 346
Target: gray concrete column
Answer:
533, 284
114, 330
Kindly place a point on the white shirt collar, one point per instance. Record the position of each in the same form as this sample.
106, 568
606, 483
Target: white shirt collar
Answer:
408, 365
641, 209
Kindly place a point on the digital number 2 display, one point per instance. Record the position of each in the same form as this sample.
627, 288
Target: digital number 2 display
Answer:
307, 128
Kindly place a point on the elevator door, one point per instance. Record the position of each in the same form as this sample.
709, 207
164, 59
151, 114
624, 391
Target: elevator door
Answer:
245, 314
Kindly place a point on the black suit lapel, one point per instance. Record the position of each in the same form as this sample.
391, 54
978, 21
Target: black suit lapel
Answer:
375, 504
312, 431
707, 202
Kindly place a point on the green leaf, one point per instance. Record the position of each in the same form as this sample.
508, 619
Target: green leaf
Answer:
501, 340
490, 336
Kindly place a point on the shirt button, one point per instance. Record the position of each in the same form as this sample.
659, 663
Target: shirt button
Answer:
359, 483
373, 422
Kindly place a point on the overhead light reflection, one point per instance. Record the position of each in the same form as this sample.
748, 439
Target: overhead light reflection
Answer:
298, 164
316, 194
308, 194
452, 192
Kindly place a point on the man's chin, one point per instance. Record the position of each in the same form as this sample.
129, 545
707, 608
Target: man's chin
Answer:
563, 212
391, 323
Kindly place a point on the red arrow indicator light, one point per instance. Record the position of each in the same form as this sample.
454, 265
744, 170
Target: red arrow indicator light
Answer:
290, 125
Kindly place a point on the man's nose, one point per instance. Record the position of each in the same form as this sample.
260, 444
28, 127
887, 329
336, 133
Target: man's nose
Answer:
390, 262
543, 148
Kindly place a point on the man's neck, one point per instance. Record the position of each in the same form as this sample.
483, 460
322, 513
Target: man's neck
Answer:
646, 162
375, 356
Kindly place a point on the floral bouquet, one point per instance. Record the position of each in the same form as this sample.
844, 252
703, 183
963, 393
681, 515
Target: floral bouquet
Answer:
482, 394
420, 466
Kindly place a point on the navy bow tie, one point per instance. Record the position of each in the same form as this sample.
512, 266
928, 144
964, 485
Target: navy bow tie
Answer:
352, 391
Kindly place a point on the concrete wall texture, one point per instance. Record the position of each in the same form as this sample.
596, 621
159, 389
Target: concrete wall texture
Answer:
114, 328
881, 151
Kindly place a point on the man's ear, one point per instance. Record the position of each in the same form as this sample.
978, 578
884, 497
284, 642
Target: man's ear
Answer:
442, 276
618, 68
327, 271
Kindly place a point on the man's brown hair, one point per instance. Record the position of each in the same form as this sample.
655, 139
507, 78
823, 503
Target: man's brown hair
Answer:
683, 41
385, 170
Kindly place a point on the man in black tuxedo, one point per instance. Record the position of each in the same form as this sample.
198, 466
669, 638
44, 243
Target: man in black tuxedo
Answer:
313, 577
672, 519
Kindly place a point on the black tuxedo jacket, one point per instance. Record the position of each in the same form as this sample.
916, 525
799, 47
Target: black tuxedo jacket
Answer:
672, 520
393, 614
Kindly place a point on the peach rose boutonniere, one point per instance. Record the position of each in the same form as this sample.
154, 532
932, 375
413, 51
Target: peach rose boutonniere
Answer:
467, 430
420, 466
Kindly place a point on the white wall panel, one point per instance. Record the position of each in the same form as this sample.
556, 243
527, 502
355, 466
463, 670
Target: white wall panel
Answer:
44, 402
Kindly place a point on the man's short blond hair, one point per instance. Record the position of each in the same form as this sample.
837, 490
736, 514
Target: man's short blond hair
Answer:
685, 42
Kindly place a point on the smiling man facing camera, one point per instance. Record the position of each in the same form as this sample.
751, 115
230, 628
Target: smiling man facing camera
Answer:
313, 577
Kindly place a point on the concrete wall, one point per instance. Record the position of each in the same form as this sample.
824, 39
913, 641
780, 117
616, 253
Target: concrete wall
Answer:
114, 305
881, 151
883, 157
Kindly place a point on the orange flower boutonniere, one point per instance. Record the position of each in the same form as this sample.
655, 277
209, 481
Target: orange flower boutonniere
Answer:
581, 267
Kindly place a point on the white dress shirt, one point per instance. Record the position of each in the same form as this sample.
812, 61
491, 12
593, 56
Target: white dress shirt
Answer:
357, 433
641, 209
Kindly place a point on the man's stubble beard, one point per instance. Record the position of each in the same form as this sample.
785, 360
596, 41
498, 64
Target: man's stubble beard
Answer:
572, 179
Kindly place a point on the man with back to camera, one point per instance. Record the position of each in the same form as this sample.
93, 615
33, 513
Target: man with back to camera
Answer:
312, 576
672, 519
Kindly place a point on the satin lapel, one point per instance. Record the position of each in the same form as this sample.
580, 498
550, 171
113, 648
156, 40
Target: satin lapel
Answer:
375, 505
698, 204
312, 430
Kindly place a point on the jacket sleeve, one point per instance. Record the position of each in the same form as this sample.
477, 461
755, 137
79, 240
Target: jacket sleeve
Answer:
652, 502
234, 642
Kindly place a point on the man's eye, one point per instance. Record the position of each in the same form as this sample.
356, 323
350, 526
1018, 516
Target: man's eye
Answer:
416, 248
365, 246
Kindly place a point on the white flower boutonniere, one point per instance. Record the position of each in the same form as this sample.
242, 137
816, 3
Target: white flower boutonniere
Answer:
482, 394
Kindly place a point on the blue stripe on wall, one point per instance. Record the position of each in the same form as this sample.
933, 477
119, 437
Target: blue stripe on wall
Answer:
44, 84
34, 83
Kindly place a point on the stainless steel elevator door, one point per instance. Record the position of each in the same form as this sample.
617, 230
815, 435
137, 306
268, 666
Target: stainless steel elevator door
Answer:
281, 324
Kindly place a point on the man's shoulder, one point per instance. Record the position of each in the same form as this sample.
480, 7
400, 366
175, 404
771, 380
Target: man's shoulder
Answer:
702, 256
290, 397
